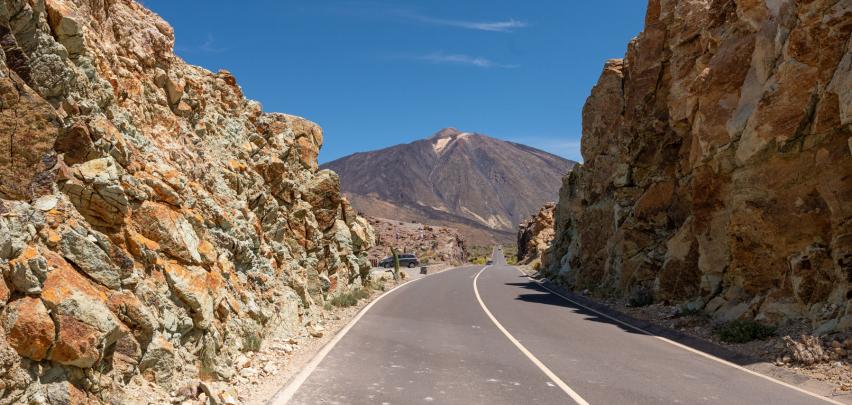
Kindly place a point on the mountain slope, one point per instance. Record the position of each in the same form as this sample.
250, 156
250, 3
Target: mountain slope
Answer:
481, 185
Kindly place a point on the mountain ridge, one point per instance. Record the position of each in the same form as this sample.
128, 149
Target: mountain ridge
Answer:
481, 184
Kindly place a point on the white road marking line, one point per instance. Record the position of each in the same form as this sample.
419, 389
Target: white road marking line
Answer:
687, 348
286, 394
550, 374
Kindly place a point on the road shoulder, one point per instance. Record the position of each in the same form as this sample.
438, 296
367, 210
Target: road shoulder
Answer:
701, 346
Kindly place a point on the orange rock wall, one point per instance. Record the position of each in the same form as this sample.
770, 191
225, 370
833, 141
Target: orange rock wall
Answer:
154, 223
718, 164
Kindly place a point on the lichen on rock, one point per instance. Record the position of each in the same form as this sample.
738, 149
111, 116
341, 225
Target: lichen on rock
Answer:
154, 223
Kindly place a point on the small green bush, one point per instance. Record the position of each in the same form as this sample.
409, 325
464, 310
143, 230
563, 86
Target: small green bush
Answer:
361, 293
744, 331
344, 300
350, 298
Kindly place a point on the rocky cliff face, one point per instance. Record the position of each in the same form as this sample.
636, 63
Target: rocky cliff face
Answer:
535, 235
718, 164
432, 244
153, 222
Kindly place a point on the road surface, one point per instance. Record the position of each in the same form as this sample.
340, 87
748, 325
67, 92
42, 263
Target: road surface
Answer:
488, 335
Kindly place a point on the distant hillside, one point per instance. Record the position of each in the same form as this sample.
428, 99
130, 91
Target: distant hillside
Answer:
480, 185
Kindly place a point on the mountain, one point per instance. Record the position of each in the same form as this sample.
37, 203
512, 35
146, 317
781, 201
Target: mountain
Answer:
477, 184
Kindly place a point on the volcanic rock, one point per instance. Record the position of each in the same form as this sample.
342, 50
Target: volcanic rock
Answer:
535, 234
154, 223
716, 164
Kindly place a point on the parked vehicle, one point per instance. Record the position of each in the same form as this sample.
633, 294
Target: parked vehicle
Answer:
405, 260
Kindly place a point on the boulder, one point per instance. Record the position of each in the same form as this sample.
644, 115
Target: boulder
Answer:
28, 271
84, 252
158, 362
94, 187
30, 125
323, 194
192, 285
169, 229
86, 325
30, 330
535, 234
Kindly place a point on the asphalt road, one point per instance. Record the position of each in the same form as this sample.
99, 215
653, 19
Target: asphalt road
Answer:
434, 341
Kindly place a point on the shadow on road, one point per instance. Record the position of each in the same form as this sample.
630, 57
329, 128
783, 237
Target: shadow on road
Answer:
545, 297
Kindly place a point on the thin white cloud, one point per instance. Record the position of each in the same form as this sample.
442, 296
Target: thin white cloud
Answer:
459, 59
209, 45
374, 9
494, 26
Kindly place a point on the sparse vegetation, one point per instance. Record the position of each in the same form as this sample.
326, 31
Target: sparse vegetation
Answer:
478, 254
350, 298
742, 331
511, 253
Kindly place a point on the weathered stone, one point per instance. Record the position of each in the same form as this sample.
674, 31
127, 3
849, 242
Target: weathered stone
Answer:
76, 344
137, 194
96, 191
86, 325
28, 271
30, 127
323, 194
5, 293
192, 285
64, 393
716, 164
30, 330
159, 361
90, 258
535, 234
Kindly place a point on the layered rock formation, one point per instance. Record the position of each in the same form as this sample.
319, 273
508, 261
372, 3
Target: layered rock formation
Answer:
432, 244
718, 164
535, 235
153, 222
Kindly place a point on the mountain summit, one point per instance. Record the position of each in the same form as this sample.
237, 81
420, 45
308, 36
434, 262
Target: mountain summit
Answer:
481, 185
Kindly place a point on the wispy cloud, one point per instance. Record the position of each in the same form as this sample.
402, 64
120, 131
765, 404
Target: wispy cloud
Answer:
458, 59
374, 9
494, 26
209, 45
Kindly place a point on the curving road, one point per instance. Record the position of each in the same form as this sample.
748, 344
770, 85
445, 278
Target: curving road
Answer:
477, 335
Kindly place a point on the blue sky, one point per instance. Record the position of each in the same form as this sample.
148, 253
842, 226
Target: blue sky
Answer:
375, 73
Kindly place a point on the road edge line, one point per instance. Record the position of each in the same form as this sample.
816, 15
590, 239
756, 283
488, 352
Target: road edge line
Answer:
685, 347
285, 394
541, 366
